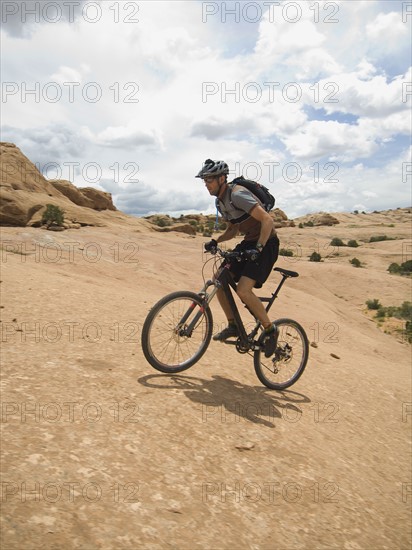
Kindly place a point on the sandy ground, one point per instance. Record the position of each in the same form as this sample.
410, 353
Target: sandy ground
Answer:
101, 451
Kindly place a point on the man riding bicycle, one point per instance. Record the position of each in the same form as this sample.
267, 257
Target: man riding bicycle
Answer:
245, 214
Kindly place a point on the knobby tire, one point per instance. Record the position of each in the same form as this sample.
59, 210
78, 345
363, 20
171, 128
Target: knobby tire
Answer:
164, 342
289, 360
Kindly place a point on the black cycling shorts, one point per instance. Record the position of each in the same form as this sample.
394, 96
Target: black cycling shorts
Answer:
260, 269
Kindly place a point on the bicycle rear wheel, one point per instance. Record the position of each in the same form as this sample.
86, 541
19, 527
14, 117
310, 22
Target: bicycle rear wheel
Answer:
177, 332
289, 359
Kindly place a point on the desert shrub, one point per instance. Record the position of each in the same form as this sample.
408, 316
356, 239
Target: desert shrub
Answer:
408, 331
301, 226
53, 214
355, 262
405, 311
356, 211
381, 312
315, 257
337, 242
404, 269
161, 222
353, 244
309, 224
285, 252
378, 238
394, 268
373, 304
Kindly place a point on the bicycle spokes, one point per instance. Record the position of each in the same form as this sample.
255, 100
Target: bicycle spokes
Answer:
289, 359
177, 332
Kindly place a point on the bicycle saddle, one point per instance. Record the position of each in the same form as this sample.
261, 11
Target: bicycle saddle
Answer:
286, 272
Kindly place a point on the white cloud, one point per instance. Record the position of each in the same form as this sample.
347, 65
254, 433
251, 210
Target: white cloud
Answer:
363, 92
69, 74
388, 25
127, 137
152, 113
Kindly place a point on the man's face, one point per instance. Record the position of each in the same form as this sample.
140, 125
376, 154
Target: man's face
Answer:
213, 184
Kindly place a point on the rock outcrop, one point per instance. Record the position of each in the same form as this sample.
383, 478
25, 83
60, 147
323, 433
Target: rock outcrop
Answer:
323, 218
25, 192
183, 228
318, 219
193, 224
280, 219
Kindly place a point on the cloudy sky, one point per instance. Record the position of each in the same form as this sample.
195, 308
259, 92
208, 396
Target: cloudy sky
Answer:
311, 98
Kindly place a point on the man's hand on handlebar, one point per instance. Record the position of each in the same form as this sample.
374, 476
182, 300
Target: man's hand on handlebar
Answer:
252, 254
211, 246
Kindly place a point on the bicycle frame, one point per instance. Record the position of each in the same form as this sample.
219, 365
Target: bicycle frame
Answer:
224, 280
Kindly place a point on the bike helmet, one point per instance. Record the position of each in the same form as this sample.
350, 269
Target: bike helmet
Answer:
213, 168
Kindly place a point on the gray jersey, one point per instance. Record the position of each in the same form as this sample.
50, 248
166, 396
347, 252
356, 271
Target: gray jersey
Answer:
237, 204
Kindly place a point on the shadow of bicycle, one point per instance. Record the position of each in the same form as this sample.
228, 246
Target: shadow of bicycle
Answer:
225, 400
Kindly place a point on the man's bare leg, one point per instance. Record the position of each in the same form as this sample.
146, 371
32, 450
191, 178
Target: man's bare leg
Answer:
246, 294
248, 297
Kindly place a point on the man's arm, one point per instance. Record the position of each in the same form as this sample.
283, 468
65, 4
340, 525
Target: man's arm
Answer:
230, 232
266, 223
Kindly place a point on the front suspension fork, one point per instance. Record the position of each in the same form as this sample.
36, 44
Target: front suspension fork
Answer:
207, 298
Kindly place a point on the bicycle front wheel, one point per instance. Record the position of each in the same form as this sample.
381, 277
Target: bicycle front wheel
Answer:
177, 332
289, 359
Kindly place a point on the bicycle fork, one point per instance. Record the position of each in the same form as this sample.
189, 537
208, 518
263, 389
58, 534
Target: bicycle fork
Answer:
207, 298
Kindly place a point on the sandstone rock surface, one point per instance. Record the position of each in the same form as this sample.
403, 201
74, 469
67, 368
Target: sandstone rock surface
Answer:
99, 450
24, 194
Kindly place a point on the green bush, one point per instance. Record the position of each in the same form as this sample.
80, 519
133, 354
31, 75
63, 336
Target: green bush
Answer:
405, 311
353, 244
399, 312
301, 226
315, 257
380, 314
285, 252
394, 268
408, 331
53, 214
373, 304
337, 242
355, 262
404, 269
379, 238
161, 222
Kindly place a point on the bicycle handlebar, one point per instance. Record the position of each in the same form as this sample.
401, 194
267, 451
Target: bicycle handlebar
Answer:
236, 255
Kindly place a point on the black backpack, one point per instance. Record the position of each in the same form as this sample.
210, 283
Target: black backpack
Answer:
260, 191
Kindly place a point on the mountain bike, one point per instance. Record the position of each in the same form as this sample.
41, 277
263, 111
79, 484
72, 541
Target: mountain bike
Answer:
178, 329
